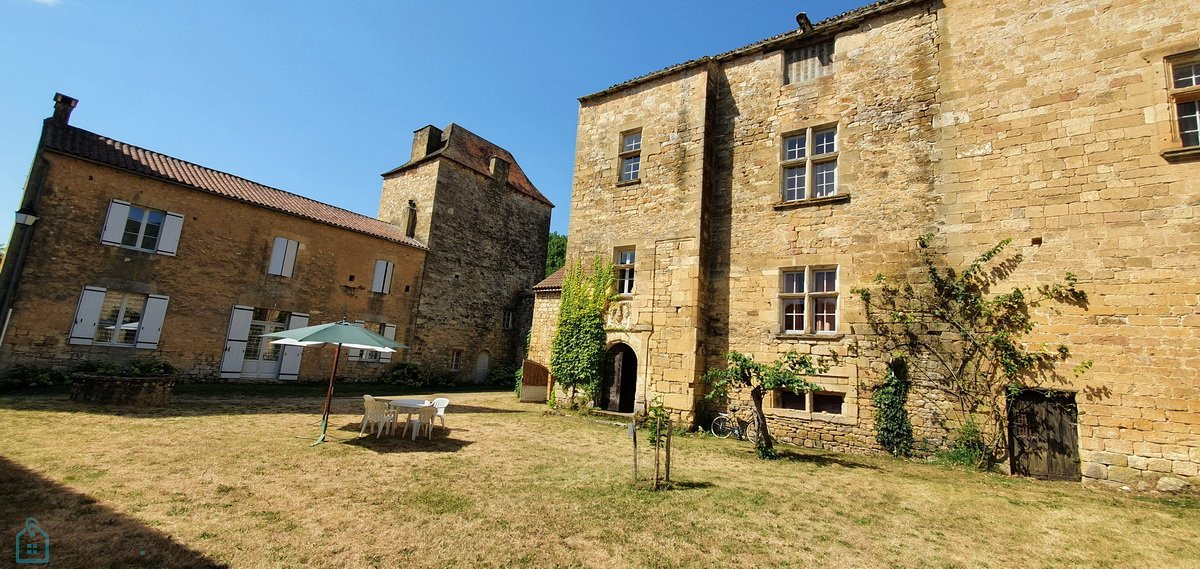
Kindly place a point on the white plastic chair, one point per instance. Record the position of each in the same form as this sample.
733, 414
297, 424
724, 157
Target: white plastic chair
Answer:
440, 404
378, 415
424, 420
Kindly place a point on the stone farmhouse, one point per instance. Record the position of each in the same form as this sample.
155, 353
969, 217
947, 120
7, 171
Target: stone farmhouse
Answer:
742, 196
121, 252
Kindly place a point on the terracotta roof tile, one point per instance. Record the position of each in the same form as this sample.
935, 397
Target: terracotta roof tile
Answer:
552, 282
80, 143
476, 152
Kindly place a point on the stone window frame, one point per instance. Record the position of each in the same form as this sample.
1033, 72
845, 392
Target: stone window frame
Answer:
797, 62
806, 162
807, 401
456, 358
808, 296
629, 151
1183, 89
625, 271
507, 319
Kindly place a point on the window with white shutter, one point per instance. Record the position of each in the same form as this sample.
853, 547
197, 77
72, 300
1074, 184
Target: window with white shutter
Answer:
382, 283
283, 257
142, 228
106, 317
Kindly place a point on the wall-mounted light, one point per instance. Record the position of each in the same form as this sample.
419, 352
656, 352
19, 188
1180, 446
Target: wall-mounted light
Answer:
26, 217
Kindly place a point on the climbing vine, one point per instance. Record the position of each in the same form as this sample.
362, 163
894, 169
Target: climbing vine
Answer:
955, 333
893, 429
577, 352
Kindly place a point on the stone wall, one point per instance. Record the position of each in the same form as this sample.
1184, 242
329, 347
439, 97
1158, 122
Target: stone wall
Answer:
224, 250
545, 323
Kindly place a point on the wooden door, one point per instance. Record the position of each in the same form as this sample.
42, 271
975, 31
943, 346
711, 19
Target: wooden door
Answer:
1043, 435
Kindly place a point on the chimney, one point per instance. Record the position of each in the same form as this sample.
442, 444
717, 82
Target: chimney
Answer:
63, 105
425, 141
499, 169
803, 22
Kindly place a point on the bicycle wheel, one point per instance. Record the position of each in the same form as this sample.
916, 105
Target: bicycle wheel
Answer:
752, 431
722, 427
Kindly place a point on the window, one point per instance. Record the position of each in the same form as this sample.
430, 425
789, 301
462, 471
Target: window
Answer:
142, 228
372, 355
827, 402
818, 401
118, 318
808, 166
631, 156
506, 321
265, 321
283, 257
456, 357
808, 62
1185, 96
382, 283
808, 300
786, 399
625, 259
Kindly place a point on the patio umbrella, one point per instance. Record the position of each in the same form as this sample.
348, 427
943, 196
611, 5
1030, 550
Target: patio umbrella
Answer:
339, 334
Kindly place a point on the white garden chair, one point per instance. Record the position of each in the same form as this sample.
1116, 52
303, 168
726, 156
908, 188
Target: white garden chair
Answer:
423, 420
440, 404
378, 415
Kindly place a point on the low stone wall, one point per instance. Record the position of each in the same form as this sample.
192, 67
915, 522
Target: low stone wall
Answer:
144, 391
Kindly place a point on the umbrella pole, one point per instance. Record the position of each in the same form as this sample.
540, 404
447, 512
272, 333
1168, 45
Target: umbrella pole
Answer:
337, 350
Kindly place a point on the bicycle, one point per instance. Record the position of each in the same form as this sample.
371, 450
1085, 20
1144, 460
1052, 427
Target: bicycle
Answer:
727, 424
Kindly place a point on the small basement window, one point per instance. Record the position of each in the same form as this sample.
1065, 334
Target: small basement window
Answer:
826, 402
787, 399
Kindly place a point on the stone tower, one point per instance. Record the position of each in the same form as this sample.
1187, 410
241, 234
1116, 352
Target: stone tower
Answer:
486, 227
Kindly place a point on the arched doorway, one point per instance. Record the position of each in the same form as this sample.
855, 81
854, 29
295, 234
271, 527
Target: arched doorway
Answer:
620, 379
481, 366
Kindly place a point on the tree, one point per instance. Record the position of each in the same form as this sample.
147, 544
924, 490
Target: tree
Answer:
556, 252
577, 351
955, 334
741, 371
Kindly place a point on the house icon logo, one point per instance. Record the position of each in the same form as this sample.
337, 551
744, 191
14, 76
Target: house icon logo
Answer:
33, 544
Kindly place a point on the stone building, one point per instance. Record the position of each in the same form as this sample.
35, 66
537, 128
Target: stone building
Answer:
121, 253
743, 195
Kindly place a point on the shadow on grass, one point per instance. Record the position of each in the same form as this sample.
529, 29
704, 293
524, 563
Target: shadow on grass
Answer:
441, 441
822, 459
690, 485
82, 532
476, 409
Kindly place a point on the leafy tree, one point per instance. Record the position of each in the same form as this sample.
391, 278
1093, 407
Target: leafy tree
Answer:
577, 351
741, 371
954, 333
556, 252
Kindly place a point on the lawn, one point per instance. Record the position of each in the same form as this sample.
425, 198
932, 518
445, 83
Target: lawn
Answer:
228, 478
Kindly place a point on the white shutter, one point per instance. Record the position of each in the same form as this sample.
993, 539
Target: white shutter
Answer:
114, 224
278, 252
387, 279
352, 354
389, 332
289, 258
380, 276
87, 315
235, 342
289, 358
150, 328
168, 243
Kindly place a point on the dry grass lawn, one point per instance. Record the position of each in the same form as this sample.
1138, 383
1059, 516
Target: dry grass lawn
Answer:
216, 480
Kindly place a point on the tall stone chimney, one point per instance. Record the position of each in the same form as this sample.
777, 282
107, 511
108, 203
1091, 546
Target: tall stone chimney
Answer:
425, 140
63, 105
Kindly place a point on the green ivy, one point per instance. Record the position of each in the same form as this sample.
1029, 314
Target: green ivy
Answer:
577, 352
893, 429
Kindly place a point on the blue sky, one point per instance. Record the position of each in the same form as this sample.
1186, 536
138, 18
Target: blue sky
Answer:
319, 98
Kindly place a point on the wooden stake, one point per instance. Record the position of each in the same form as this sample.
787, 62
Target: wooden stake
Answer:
633, 433
657, 448
668, 469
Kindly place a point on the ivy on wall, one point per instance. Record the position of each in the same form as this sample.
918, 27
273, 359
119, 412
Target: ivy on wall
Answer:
893, 429
577, 352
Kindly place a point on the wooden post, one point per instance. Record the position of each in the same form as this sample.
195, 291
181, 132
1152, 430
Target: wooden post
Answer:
668, 469
633, 433
657, 448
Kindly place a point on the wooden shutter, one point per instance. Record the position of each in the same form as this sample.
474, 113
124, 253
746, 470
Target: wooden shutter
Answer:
168, 243
389, 332
289, 358
355, 355
380, 275
114, 224
387, 279
150, 328
289, 257
235, 342
87, 315
278, 251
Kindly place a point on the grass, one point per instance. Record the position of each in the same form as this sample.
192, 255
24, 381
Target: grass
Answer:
228, 478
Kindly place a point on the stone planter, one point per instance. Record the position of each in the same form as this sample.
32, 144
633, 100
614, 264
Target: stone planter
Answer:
147, 391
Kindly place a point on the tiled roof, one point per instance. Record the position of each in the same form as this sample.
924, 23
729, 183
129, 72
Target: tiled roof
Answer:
80, 143
476, 152
552, 282
846, 19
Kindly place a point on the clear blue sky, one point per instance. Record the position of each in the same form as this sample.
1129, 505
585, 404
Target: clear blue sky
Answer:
319, 98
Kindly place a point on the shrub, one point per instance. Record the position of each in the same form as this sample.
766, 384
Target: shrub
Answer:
502, 376
969, 448
33, 376
132, 368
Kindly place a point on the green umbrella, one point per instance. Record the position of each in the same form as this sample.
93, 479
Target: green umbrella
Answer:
339, 334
